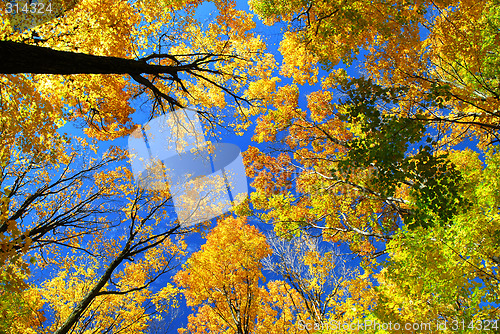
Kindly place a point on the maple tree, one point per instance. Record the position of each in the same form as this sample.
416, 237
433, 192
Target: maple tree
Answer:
198, 67
37, 204
223, 279
344, 169
447, 273
359, 145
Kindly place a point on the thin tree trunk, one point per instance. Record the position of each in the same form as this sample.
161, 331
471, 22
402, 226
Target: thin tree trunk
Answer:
92, 294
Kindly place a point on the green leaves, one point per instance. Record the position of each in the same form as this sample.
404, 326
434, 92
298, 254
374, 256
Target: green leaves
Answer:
439, 94
438, 195
383, 139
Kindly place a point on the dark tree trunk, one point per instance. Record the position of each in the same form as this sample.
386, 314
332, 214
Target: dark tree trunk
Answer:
23, 58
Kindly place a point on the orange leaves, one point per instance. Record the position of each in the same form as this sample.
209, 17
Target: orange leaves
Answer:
286, 103
318, 140
280, 308
303, 186
287, 97
239, 22
225, 55
222, 281
265, 131
67, 209
224, 276
262, 89
231, 253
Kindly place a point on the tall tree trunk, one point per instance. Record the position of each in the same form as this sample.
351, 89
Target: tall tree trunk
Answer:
23, 58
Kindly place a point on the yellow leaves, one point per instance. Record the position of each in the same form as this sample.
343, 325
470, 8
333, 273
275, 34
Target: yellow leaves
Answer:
455, 48
39, 105
225, 276
334, 78
468, 162
266, 130
261, 89
29, 121
113, 20
298, 63
20, 311
117, 181
128, 210
286, 99
225, 272
166, 293
127, 310
64, 290
4, 205
462, 44
286, 103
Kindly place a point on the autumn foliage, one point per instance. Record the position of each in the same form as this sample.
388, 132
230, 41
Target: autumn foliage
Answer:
373, 165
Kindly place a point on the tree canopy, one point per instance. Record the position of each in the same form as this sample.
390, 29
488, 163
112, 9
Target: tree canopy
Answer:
373, 166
